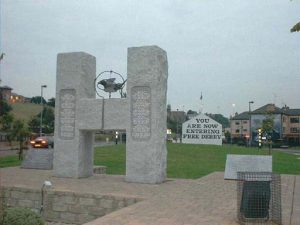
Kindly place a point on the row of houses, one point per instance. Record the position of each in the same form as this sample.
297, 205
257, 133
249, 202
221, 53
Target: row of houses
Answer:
12, 97
244, 126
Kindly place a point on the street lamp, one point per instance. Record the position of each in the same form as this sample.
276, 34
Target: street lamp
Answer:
251, 102
250, 132
176, 125
42, 103
233, 105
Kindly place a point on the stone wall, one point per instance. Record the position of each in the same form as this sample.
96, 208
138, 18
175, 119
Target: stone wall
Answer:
67, 207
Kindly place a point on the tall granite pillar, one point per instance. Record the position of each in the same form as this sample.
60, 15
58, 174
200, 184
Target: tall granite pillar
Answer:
73, 148
146, 154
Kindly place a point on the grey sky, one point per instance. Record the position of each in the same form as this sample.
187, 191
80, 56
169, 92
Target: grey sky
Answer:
232, 51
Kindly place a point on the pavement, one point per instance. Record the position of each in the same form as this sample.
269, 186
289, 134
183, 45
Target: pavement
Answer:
210, 200
290, 151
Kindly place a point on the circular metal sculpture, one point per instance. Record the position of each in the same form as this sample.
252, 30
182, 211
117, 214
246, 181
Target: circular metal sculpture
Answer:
110, 84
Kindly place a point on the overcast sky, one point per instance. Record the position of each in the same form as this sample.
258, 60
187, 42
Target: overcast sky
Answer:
232, 51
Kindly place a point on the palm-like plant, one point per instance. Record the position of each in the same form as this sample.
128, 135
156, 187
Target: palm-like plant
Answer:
296, 28
19, 132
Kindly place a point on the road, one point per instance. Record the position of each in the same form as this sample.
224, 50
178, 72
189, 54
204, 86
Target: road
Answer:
7, 150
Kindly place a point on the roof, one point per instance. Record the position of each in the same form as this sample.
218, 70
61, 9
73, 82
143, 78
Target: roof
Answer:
15, 94
268, 108
178, 116
241, 116
292, 112
6, 87
201, 117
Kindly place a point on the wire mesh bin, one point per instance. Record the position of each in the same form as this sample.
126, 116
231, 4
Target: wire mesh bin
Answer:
259, 198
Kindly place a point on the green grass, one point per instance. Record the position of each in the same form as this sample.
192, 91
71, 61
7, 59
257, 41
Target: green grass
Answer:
194, 161
111, 156
9, 161
25, 111
185, 161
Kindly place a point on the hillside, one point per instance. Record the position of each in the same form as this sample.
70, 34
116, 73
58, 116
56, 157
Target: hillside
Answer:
25, 111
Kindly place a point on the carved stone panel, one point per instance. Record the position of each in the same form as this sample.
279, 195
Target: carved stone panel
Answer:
141, 113
67, 99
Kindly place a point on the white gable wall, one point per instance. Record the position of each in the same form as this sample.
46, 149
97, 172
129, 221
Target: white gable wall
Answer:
202, 130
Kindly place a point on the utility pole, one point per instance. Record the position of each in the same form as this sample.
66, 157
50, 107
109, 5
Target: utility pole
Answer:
250, 132
42, 103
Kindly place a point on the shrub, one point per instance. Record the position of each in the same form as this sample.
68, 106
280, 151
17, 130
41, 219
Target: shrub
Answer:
21, 216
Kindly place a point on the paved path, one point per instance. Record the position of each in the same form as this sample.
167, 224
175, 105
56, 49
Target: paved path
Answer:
206, 201
290, 151
210, 200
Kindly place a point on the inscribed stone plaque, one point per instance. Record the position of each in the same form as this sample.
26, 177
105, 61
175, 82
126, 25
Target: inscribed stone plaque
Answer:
141, 113
38, 159
246, 163
67, 114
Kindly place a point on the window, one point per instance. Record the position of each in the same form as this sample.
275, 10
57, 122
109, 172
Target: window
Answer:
237, 123
245, 121
245, 130
295, 130
294, 120
237, 131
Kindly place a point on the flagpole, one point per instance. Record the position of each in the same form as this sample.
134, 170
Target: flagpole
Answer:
1, 58
201, 104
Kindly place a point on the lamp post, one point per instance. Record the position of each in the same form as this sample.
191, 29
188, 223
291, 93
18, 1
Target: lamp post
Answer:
176, 125
250, 132
233, 105
42, 103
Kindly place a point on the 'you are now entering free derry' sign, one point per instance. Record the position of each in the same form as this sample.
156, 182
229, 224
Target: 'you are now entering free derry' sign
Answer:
202, 130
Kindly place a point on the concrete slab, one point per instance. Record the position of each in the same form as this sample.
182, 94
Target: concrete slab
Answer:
209, 200
246, 163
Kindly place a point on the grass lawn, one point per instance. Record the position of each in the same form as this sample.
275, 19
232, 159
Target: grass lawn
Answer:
25, 111
194, 161
185, 161
9, 161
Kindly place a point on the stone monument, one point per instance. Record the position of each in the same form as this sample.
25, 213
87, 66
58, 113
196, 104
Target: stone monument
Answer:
142, 114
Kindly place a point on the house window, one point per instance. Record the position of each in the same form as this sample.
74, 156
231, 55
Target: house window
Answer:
237, 123
245, 130
295, 130
245, 121
294, 120
237, 131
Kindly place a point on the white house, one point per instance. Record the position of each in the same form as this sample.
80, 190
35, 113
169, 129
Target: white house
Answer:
202, 130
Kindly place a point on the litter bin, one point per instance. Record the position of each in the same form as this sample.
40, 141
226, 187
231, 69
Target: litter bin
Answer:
255, 200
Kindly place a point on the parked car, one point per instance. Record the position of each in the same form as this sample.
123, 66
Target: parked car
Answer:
42, 142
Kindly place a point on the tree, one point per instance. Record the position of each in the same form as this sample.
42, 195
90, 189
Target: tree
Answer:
51, 102
37, 100
296, 28
48, 121
19, 133
220, 119
268, 127
191, 112
4, 107
6, 122
169, 108
34, 124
